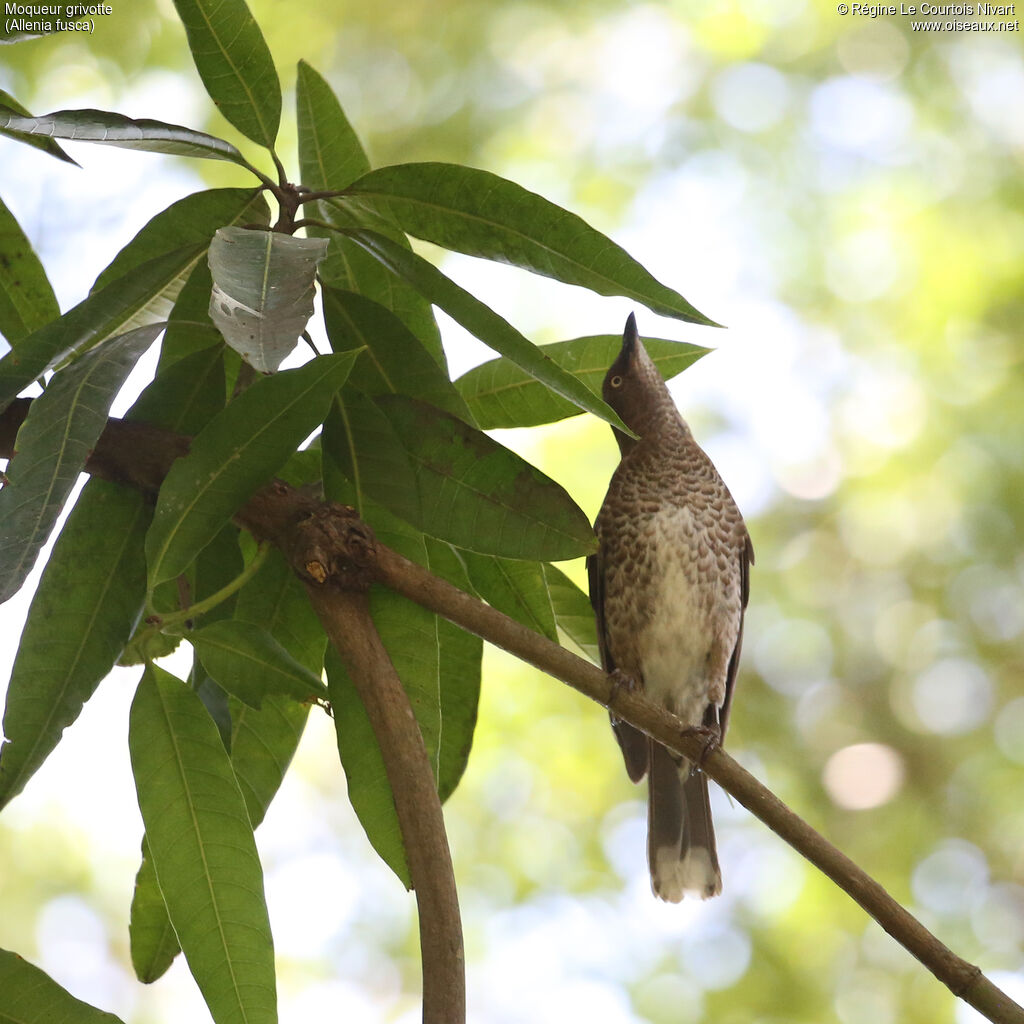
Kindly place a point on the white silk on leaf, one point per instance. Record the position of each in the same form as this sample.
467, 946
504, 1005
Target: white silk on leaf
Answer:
263, 288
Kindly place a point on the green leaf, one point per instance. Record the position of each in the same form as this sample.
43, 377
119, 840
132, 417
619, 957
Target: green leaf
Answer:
240, 449
331, 157
203, 849
482, 321
513, 586
195, 386
263, 288
574, 613
501, 394
235, 65
251, 665
52, 445
394, 360
263, 742
134, 300
189, 327
27, 301
452, 481
153, 942
330, 153
93, 585
368, 788
350, 267
438, 664
460, 659
46, 145
481, 214
112, 129
219, 564
192, 220
30, 996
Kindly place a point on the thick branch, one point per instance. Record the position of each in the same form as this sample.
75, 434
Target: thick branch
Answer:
345, 615
276, 513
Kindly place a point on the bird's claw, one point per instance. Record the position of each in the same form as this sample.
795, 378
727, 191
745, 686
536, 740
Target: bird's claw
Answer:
712, 737
621, 681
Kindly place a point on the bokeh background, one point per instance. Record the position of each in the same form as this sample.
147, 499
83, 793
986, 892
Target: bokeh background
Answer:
845, 194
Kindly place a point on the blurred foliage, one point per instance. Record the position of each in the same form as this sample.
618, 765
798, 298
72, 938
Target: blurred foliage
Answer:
847, 195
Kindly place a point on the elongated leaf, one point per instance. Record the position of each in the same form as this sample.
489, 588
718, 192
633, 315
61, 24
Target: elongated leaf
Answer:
330, 153
263, 287
153, 942
46, 145
218, 564
203, 849
93, 585
478, 213
52, 445
368, 788
235, 65
186, 395
239, 450
394, 360
482, 321
501, 394
439, 665
189, 327
250, 664
454, 482
331, 157
263, 742
30, 996
27, 301
138, 298
573, 612
513, 586
350, 267
192, 220
112, 129
460, 656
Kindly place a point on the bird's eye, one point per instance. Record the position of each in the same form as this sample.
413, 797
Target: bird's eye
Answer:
616, 381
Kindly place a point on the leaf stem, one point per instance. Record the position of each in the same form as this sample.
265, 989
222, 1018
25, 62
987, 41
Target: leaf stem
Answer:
169, 623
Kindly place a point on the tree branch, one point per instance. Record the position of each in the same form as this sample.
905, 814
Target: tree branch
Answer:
341, 602
276, 513
962, 978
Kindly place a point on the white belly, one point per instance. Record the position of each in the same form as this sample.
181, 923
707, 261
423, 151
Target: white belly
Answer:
677, 649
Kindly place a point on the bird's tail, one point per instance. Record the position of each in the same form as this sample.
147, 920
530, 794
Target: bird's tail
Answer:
680, 835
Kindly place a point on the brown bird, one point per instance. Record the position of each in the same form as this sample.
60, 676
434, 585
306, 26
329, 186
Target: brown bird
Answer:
669, 585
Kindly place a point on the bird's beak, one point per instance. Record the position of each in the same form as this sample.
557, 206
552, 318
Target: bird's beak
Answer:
630, 337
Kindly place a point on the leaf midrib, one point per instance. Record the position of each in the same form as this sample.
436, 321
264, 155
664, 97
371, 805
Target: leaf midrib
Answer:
202, 851
522, 236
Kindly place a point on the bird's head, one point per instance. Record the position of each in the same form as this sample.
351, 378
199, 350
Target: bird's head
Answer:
636, 390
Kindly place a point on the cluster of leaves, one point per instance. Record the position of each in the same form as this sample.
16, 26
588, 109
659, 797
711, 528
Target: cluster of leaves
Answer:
401, 441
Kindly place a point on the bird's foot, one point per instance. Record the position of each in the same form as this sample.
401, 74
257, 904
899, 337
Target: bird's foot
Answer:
711, 735
621, 681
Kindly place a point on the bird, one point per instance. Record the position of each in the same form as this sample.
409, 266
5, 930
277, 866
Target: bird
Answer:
669, 585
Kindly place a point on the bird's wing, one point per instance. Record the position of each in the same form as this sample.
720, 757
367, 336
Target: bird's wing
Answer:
633, 742
746, 561
595, 577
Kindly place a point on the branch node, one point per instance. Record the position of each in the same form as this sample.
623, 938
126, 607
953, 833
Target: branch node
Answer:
964, 980
332, 545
